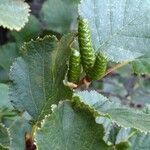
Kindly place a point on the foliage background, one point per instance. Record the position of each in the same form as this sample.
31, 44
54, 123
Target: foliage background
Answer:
128, 86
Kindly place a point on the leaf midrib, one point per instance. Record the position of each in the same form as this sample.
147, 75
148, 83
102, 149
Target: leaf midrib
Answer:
115, 33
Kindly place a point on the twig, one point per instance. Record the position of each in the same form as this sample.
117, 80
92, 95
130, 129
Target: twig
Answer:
116, 67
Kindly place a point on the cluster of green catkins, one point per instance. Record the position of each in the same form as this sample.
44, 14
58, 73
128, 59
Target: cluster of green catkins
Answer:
94, 65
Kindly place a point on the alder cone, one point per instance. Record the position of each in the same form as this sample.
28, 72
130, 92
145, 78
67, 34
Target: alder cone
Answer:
85, 45
74, 66
98, 69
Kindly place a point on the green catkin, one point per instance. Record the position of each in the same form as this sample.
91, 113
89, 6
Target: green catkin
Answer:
74, 66
85, 45
98, 69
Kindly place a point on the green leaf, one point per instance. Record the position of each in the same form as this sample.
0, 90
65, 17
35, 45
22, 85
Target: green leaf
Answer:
125, 71
14, 14
4, 136
17, 131
142, 65
7, 116
4, 100
110, 130
38, 76
146, 109
7, 113
122, 146
8, 53
2, 148
4, 75
140, 141
119, 28
116, 136
30, 31
123, 135
70, 128
121, 115
59, 15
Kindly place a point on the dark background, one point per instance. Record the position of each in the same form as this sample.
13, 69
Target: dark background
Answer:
35, 6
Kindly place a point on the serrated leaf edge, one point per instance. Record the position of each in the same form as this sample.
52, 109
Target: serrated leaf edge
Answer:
22, 48
38, 39
98, 114
25, 21
81, 104
53, 108
1, 124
